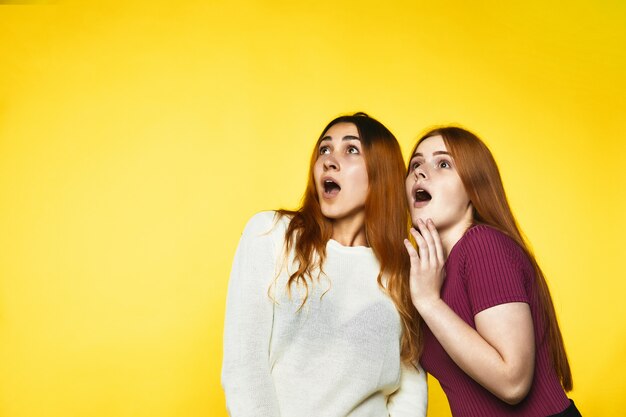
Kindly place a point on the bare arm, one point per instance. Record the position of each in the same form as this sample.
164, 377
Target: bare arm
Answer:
500, 353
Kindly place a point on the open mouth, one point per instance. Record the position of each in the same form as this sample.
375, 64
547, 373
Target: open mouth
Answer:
422, 195
331, 188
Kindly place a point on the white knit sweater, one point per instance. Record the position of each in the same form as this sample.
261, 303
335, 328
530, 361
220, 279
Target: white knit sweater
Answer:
338, 356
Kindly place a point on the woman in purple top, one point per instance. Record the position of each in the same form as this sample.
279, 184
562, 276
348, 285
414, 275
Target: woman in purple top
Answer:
490, 332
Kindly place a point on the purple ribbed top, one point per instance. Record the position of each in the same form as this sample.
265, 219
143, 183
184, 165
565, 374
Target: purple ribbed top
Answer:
487, 268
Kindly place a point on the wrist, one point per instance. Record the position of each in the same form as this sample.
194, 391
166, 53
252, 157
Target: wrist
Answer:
426, 305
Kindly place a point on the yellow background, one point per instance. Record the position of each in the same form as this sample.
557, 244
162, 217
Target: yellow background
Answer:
136, 139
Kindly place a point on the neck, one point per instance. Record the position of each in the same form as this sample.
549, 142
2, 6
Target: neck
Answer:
351, 231
451, 235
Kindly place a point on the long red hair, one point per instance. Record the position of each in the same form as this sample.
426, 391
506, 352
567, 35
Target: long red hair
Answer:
386, 220
481, 178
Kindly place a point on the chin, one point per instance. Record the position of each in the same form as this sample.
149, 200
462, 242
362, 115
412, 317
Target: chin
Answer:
421, 214
423, 217
329, 213
333, 213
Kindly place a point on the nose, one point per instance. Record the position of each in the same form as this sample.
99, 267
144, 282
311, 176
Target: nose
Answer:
330, 163
420, 172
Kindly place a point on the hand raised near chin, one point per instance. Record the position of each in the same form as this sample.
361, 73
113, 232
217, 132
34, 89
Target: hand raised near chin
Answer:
426, 276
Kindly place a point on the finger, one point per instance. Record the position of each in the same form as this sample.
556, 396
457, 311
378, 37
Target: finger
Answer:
422, 246
410, 250
428, 237
413, 259
441, 255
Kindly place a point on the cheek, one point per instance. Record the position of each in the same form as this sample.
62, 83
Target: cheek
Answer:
408, 186
317, 169
364, 178
358, 175
360, 186
460, 196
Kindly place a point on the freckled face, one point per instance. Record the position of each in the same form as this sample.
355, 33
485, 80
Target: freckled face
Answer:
434, 188
340, 173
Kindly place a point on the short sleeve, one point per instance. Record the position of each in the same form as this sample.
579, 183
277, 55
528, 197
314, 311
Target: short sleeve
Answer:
496, 269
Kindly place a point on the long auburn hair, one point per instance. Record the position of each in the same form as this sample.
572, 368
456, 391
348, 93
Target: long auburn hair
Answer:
386, 220
481, 178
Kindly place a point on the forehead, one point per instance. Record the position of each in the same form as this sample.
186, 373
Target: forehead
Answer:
340, 130
431, 145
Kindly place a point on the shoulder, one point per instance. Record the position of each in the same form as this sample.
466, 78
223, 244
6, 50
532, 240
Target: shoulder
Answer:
483, 239
485, 249
495, 269
484, 232
266, 223
486, 245
260, 223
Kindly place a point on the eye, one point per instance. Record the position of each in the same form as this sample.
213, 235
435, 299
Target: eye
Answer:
353, 150
324, 150
414, 165
445, 164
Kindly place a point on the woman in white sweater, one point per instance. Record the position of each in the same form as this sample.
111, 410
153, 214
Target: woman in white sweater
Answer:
316, 323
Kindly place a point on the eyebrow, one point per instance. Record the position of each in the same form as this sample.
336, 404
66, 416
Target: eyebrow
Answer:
434, 153
348, 137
